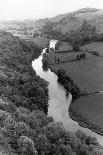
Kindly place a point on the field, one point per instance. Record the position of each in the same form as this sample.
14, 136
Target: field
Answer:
63, 57
90, 112
94, 46
71, 56
64, 46
86, 73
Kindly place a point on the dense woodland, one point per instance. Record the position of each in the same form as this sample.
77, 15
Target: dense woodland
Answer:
25, 127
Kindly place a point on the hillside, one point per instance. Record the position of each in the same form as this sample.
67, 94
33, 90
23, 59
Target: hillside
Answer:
66, 23
18, 87
85, 23
74, 20
16, 57
63, 23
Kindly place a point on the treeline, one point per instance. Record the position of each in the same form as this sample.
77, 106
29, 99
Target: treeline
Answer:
25, 128
68, 84
77, 41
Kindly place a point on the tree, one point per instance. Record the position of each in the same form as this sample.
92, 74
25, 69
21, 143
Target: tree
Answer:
82, 56
75, 41
85, 26
58, 60
45, 61
26, 146
78, 57
61, 73
42, 144
66, 149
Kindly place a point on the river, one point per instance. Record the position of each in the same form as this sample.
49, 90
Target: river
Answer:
59, 103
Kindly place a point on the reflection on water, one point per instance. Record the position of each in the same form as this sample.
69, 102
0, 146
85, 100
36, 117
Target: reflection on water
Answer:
58, 103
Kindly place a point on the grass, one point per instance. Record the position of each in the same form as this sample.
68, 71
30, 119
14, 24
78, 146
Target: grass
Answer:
66, 57
71, 56
86, 73
64, 46
91, 112
94, 46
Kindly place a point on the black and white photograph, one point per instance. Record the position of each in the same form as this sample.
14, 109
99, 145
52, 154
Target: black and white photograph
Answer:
51, 77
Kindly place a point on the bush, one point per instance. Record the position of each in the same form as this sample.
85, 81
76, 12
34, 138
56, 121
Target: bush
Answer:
78, 57
82, 56
61, 74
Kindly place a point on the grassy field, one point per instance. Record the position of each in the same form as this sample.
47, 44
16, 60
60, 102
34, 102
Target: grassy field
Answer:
61, 57
86, 73
70, 56
64, 46
94, 46
88, 111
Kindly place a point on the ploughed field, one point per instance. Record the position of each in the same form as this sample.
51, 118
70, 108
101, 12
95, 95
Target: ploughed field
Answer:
86, 73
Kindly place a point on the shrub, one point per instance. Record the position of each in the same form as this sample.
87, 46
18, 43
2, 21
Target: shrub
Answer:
83, 55
78, 57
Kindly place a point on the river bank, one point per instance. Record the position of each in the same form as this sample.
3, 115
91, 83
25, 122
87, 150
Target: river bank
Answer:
94, 88
82, 118
58, 101
84, 123
68, 83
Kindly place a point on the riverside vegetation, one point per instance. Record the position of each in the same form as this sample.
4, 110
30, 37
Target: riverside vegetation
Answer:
25, 128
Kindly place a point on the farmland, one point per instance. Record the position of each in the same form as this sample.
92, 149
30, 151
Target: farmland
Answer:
63, 46
88, 112
86, 73
94, 46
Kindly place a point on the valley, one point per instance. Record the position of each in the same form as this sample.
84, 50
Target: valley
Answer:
51, 84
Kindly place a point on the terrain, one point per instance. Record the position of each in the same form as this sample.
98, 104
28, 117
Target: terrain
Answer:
94, 46
89, 113
84, 72
81, 74
59, 27
78, 63
25, 125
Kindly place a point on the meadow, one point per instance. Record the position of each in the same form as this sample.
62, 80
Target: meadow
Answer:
94, 46
87, 111
86, 73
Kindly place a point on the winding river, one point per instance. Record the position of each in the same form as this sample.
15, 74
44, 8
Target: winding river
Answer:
59, 103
